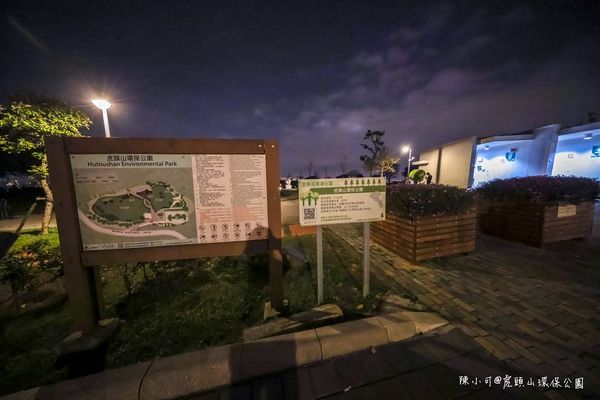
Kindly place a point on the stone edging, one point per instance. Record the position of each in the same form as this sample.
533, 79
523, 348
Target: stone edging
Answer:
206, 370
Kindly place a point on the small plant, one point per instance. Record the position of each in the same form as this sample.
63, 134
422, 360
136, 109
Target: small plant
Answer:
541, 189
17, 272
428, 200
40, 254
20, 268
416, 175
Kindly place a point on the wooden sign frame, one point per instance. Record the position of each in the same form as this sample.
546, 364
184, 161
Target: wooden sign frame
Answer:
81, 272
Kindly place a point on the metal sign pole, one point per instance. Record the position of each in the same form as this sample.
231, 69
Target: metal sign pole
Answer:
366, 228
331, 201
319, 264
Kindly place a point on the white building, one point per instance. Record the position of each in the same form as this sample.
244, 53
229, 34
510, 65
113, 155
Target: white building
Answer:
547, 150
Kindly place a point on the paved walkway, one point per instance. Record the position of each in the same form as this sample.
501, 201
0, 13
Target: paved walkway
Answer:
424, 368
363, 359
33, 222
536, 310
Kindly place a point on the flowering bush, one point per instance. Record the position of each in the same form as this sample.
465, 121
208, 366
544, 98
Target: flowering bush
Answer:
428, 200
541, 189
16, 180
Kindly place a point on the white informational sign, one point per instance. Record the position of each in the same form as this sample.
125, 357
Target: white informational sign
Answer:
566, 211
341, 200
151, 200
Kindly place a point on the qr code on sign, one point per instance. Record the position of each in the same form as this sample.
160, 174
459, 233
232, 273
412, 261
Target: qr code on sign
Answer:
309, 213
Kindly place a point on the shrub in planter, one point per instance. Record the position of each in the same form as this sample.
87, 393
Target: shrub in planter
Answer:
538, 209
412, 201
541, 190
427, 221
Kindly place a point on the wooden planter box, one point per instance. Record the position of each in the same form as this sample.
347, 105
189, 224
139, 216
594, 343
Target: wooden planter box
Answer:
537, 224
423, 238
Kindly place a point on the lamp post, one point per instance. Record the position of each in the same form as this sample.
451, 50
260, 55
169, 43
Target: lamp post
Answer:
104, 106
407, 149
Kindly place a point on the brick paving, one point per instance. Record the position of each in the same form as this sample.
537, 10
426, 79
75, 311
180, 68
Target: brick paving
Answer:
535, 310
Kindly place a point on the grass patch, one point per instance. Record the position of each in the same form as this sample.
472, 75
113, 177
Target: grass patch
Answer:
180, 306
342, 277
32, 235
189, 305
29, 347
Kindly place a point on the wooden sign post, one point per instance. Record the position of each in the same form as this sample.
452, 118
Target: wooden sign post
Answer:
83, 253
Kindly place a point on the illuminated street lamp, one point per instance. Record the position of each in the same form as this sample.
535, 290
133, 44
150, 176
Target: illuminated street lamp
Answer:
407, 149
104, 106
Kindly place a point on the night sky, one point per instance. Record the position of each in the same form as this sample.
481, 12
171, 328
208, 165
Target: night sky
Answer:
313, 74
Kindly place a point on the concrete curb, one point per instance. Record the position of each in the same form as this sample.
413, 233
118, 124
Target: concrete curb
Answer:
121, 383
206, 370
348, 337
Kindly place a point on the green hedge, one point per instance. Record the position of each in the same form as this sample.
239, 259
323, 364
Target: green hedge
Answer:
541, 189
428, 200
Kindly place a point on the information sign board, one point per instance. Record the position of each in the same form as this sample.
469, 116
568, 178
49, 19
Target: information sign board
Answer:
151, 200
341, 200
120, 200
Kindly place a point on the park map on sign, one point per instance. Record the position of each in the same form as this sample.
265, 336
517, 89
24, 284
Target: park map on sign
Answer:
136, 201
140, 208
150, 200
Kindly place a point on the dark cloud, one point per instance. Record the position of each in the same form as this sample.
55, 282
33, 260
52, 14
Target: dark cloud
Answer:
478, 80
315, 76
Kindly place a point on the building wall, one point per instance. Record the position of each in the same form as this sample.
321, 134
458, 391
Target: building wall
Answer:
431, 156
455, 162
450, 164
532, 156
574, 155
540, 162
546, 151
491, 162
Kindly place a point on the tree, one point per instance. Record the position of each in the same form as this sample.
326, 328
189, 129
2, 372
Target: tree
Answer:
26, 122
387, 165
376, 150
